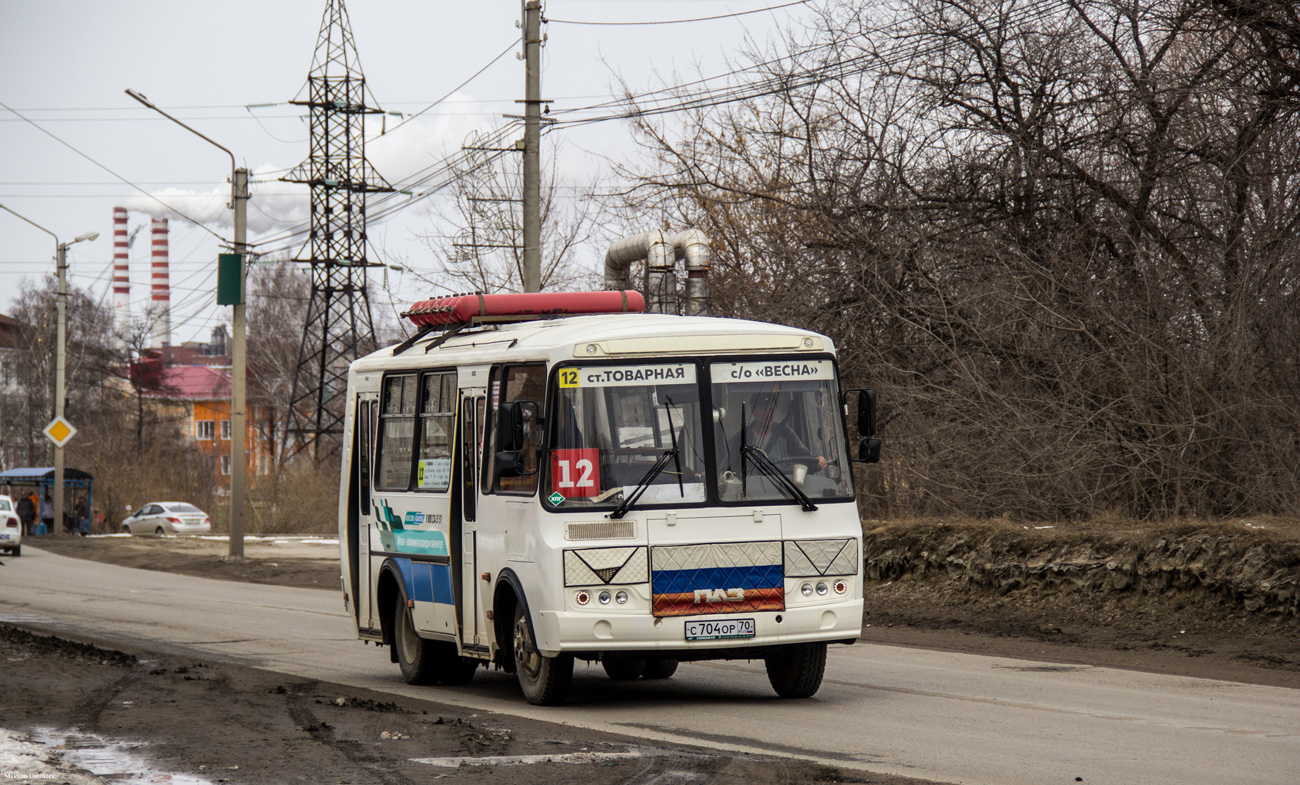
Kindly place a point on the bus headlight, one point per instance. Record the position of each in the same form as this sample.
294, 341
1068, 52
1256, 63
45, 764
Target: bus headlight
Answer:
822, 589
806, 590
621, 598
603, 597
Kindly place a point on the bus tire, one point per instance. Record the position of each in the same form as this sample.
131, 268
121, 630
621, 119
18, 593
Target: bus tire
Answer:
622, 668
796, 670
659, 669
415, 656
545, 681
455, 670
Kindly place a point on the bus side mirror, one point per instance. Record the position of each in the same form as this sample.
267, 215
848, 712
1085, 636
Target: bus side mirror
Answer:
867, 413
869, 446
510, 427
514, 421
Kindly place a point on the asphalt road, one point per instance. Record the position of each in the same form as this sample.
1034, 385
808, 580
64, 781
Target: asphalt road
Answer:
938, 716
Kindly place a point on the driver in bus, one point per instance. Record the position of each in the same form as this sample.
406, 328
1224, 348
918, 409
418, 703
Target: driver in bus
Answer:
770, 431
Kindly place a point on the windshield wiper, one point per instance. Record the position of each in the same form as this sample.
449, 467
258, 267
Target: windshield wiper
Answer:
779, 477
677, 457
649, 477
656, 469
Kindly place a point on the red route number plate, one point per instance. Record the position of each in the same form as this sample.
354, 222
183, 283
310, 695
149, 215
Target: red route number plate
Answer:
576, 473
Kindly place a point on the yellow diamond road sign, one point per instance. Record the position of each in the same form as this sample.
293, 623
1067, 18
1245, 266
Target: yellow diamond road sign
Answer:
59, 431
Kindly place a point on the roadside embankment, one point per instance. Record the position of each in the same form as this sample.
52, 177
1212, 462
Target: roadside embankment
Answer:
1243, 566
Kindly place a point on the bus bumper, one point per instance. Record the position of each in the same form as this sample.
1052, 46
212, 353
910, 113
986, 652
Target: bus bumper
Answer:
594, 631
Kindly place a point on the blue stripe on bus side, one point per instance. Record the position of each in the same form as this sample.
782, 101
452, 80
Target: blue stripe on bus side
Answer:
426, 582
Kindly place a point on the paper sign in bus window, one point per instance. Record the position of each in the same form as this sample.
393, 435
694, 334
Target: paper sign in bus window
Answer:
433, 474
576, 473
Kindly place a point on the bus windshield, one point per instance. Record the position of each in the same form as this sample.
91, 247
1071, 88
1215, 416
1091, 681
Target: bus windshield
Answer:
613, 423
778, 417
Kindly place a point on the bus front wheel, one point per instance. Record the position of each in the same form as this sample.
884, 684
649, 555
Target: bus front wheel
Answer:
545, 681
795, 670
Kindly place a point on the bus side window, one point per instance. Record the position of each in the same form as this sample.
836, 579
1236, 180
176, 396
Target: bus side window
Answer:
520, 383
362, 448
437, 423
469, 429
396, 433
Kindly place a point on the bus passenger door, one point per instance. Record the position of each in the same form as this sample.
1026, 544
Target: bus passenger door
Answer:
473, 611
363, 454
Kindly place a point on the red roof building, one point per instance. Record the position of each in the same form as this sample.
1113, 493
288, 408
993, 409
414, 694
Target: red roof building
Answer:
204, 393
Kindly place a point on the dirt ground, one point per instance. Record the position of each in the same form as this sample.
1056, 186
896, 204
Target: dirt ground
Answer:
140, 716
1217, 600
202, 722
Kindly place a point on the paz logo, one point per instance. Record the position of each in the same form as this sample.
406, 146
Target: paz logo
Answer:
719, 595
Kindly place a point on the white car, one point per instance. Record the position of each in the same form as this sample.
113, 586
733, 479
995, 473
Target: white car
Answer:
11, 529
167, 518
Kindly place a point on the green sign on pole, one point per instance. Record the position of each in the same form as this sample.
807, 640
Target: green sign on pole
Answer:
230, 279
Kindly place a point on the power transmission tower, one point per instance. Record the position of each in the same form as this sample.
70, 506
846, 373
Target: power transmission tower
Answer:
339, 327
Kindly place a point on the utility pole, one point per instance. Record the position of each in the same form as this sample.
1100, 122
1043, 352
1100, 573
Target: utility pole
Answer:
60, 354
60, 374
532, 146
239, 368
239, 435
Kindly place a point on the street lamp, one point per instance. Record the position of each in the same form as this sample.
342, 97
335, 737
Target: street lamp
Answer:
60, 350
238, 371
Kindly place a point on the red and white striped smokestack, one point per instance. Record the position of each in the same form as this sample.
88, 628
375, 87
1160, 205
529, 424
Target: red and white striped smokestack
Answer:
121, 272
160, 294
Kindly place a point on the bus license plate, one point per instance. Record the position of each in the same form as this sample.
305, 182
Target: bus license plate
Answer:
713, 630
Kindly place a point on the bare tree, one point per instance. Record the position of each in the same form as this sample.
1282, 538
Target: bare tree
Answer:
484, 251
88, 357
1060, 237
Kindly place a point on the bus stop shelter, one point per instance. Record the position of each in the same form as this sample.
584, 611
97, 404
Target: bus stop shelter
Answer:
14, 482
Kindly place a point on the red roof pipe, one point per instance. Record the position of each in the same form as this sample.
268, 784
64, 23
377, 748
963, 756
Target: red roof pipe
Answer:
463, 308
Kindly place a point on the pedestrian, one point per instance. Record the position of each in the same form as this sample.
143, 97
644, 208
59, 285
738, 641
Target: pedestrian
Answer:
26, 513
77, 523
47, 513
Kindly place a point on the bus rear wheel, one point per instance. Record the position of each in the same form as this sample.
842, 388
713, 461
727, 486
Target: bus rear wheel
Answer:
659, 669
796, 670
414, 654
424, 661
545, 681
622, 668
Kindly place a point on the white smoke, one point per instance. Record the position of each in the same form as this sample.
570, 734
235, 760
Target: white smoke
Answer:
409, 151
273, 205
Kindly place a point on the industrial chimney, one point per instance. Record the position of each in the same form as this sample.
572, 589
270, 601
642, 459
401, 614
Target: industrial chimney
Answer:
121, 272
160, 295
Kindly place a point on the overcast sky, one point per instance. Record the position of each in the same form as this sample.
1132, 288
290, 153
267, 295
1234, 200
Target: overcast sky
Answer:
66, 64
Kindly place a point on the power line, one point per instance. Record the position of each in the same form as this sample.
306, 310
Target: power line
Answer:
676, 21
452, 91
110, 171
674, 101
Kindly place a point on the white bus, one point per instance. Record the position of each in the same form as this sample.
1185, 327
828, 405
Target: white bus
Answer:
522, 487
